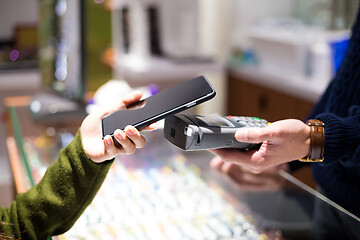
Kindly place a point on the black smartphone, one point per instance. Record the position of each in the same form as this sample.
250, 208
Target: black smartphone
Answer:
160, 105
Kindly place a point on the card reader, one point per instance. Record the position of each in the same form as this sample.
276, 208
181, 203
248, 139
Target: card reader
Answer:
198, 132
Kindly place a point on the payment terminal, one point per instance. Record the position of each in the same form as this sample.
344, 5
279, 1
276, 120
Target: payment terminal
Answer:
198, 132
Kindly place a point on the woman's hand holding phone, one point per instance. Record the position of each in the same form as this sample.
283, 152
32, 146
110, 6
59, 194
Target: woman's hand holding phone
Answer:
124, 142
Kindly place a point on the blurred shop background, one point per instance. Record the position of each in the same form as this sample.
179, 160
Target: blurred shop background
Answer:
269, 59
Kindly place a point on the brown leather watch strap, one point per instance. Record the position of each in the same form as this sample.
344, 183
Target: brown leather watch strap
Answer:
317, 141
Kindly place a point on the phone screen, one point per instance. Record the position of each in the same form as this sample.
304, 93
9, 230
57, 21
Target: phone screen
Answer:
158, 106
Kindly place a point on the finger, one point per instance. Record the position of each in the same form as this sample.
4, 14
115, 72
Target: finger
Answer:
127, 100
133, 134
216, 163
227, 167
151, 127
133, 97
127, 145
237, 172
253, 134
251, 160
216, 151
110, 147
232, 155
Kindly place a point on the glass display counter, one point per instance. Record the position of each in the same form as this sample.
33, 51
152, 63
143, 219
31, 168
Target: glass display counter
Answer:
161, 192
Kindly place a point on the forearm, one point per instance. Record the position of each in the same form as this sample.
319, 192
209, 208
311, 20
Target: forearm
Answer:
68, 187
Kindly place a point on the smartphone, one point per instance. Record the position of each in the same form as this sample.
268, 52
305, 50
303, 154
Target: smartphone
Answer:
160, 105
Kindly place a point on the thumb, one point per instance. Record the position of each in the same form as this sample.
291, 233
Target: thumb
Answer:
133, 97
253, 134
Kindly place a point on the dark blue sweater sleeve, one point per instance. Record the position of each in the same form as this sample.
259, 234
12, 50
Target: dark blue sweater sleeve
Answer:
342, 137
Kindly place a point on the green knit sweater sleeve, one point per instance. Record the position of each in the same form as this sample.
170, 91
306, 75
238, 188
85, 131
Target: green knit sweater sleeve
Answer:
53, 206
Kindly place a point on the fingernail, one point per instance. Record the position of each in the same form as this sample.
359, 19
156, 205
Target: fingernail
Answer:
108, 140
119, 135
130, 131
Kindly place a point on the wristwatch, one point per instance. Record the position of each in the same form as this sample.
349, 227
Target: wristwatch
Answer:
317, 141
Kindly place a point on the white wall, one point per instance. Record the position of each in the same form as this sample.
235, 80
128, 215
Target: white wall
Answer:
14, 12
248, 12
216, 27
